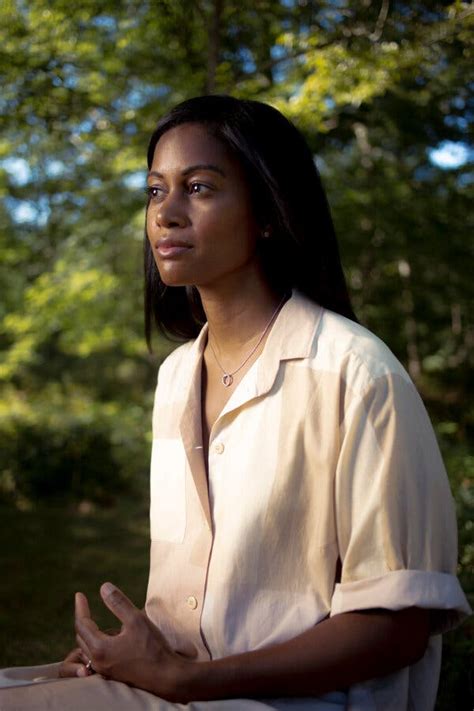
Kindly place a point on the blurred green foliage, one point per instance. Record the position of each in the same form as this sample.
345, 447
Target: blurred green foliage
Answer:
375, 86
47, 462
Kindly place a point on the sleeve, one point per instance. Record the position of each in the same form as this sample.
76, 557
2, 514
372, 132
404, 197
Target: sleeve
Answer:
395, 515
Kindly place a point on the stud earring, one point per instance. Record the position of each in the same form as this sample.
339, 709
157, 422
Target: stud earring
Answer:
266, 234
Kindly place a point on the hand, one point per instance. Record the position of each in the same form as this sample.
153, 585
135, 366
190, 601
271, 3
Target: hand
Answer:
74, 664
138, 655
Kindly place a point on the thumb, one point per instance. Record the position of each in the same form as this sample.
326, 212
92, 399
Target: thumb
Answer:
118, 603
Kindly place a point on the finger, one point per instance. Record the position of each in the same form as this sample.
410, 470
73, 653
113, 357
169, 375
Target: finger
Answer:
74, 655
82, 605
113, 631
85, 649
118, 603
67, 670
83, 617
88, 636
74, 664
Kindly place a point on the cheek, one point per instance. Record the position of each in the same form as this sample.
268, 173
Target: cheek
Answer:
242, 233
233, 227
149, 221
149, 229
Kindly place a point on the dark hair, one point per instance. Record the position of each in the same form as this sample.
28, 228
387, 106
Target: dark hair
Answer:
287, 195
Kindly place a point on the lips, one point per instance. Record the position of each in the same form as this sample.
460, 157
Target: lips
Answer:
169, 248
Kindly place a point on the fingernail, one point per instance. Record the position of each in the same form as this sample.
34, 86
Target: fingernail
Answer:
81, 671
108, 588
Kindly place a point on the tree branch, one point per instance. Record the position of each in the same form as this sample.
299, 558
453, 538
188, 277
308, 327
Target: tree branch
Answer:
380, 24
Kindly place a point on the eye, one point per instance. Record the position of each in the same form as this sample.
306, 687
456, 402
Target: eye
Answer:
153, 192
198, 188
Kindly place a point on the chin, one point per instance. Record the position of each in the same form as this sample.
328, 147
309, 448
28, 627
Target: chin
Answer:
174, 282
173, 278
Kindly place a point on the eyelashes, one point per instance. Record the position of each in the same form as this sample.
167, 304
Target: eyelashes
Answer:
155, 192
152, 192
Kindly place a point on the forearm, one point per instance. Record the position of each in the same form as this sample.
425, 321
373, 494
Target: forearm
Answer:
336, 653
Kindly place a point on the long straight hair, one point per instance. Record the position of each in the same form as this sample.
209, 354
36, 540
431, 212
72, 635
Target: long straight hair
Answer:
287, 195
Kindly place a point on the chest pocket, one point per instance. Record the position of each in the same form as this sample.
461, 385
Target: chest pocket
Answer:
167, 491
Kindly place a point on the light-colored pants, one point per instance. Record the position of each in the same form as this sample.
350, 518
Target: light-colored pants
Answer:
40, 689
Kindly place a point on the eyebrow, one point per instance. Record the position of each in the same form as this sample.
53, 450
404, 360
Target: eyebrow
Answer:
192, 169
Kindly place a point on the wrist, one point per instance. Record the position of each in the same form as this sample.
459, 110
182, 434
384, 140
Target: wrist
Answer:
194, 682
180, 682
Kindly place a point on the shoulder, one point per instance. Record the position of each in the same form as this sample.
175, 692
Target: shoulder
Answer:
174, 373
175, 361
358, 355
349, 343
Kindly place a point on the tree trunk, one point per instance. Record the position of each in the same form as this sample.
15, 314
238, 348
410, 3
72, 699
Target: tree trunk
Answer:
411, 328
214, 45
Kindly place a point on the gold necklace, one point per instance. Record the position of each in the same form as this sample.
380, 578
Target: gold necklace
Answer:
228, 378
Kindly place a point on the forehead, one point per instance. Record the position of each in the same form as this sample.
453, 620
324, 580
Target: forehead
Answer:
191, 144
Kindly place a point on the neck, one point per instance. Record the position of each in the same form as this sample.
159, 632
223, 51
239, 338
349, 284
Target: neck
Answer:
238, 314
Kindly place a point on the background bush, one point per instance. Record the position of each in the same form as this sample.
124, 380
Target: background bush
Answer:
77, 461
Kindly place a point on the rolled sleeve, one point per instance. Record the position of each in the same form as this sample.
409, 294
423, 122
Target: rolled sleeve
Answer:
395, 514
406, 588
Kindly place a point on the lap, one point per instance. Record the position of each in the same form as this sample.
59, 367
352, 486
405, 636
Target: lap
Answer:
93, 693
40, 689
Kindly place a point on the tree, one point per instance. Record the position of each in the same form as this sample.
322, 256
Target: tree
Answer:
375, 86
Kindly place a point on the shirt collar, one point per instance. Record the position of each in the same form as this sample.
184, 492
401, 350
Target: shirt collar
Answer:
291, 336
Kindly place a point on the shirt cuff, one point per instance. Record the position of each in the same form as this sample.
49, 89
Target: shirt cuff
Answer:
398, 589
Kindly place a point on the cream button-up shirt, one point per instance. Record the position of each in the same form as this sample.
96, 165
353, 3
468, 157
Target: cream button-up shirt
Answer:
326, 494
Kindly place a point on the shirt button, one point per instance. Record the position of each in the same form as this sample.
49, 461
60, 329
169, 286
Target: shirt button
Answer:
219, 448
192, 602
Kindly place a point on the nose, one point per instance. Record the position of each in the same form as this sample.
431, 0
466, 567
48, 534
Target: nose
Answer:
170, 212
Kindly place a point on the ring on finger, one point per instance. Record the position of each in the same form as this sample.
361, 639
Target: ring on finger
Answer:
89, 667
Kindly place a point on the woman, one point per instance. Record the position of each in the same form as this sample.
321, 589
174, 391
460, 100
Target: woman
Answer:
303, 535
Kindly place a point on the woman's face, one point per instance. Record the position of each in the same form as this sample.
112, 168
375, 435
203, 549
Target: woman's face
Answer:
200, 223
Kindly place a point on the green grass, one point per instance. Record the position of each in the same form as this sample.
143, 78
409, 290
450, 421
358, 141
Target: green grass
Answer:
49, 553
